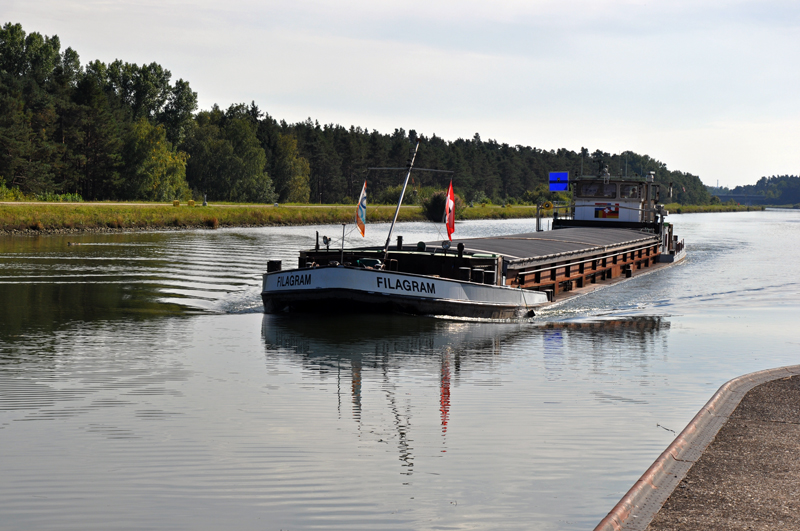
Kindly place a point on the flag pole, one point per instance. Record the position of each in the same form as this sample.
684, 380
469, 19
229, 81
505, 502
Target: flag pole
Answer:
399, 202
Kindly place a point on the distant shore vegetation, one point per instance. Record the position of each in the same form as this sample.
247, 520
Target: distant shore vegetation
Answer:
41, 218
777, 190
82, 217
73, 132
676, 208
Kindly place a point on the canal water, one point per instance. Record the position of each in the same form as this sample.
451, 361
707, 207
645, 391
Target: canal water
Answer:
142, 387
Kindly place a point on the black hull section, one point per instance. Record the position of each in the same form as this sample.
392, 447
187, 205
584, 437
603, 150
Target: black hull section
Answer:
342, 300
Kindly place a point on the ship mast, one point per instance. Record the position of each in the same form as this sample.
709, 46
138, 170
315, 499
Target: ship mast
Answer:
399, 202
408, 167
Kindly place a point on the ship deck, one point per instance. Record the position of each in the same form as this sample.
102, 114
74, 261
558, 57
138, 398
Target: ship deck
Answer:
568, 259
537, 246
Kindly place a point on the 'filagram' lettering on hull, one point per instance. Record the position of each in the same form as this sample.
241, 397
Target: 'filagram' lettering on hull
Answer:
294, 280
395, 284
406, 285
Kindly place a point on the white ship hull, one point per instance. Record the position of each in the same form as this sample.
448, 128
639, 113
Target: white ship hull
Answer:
342, 288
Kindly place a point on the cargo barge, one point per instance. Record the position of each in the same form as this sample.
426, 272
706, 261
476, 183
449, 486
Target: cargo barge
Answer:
613, 229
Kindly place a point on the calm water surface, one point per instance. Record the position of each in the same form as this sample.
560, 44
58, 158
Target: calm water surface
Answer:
141, 387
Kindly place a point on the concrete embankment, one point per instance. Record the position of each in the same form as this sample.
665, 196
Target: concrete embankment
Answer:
735, 465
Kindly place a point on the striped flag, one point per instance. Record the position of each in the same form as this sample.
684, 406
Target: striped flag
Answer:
450, 212
361, 211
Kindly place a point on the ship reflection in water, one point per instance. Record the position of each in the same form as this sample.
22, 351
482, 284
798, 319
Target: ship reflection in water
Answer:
382, 358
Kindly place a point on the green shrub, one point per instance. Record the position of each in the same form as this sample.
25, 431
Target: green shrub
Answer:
433, 207
391, 195
480, 197
52, 197
12, 194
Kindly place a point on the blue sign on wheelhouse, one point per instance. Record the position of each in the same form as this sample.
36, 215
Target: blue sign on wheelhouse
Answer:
559, 181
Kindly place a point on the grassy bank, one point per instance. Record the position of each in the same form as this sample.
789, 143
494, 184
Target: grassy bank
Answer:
675, 208
26, 217
50, 217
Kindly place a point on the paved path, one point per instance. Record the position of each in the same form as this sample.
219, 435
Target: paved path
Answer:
749, 477
736, 465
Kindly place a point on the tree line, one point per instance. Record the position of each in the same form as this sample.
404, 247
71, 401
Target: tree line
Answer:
127, 131
779, 189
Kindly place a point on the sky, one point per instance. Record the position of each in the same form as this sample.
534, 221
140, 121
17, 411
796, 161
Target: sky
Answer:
707, 87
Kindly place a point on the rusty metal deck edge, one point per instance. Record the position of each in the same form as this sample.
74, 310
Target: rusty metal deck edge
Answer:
641, 503
602, 284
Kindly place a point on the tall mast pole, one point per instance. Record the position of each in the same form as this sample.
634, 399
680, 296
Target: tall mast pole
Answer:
399, 202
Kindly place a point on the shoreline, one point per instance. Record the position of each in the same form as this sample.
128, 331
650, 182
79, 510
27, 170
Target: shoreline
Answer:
27, 219
74, 218
107, 230
32, 219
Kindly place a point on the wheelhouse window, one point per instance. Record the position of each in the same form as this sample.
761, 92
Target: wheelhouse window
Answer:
604, 190
629, 191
